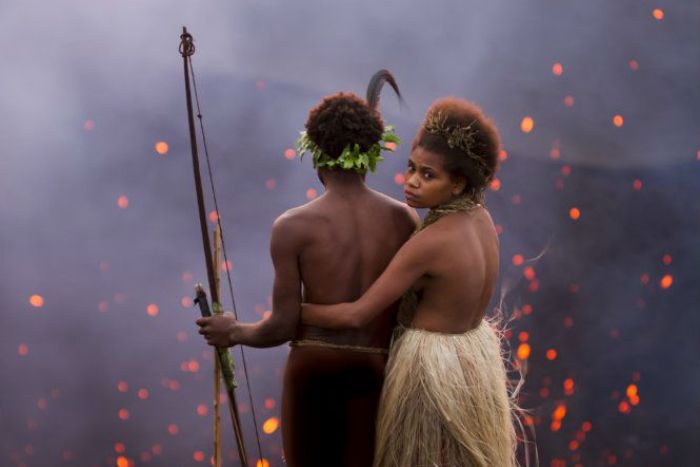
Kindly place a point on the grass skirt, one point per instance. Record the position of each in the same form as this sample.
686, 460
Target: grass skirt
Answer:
445, 402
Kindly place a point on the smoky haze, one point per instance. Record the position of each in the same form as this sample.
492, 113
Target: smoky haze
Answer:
103, 229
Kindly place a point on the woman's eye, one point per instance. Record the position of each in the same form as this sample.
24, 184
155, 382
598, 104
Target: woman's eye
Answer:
410, 168
427, 175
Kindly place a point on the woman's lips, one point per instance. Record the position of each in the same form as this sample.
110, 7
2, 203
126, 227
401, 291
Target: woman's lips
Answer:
410, 195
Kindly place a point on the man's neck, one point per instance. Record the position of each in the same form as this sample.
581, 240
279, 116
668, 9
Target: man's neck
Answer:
342, 180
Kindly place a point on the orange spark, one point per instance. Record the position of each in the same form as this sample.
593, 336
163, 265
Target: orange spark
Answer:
227, 266
186, 302
262, 463
554, 153
560, 412
270, 425
193, 366
637, 184
523, 336
214, 216
123, 202
529, 273
658, 14
161, 148
181, 336
123, 414
666, 281
569, 101
575, 213
568, 322
527, 124
573, 445
23, 349
269, 403
557, 69
202, 410
587, 426
503, 155
89, 125
527, 309
624, 407
122, 386
37, 301
270, 183
667, 259
618, 121
634, 65
122, 461
518, 260
143, 394
198, 456
556, 425
152, 309
566, 170
495, 184
119, 447
551, 354
311, 194
544, 393
103, 306
634, 400
399, 179
568, 386
631, 390
173, 429
523, 351
290, 154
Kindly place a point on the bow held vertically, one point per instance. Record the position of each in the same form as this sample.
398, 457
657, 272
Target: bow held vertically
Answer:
187, 49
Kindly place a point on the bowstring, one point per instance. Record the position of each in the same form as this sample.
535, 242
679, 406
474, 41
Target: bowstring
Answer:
227, 264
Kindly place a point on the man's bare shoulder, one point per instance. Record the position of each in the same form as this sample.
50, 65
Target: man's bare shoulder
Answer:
403, 211
294, 222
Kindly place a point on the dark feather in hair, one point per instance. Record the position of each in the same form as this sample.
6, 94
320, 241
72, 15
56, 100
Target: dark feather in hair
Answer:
375, 87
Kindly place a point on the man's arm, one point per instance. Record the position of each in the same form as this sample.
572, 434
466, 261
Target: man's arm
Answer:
281, 325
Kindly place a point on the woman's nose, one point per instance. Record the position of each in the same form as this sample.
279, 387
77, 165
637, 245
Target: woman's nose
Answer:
411, 179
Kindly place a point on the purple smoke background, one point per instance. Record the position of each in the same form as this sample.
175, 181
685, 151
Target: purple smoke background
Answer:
100, 361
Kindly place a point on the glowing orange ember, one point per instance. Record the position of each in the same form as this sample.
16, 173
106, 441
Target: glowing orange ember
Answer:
202, 410
556, 425
527, 124
634, 400
270, 183
587, 426
23, 349
193, 366
143, 394
173, 429
103, 306
152, 309
569, 101
270, 425
262, 463
186, 302
502, 155
119, 447
637, 184
227, 266
518, 260
161, 147
122, 461
618, 121
557, 69
566, 170
568, 386
624, 407
123, 202
529, 273
554, 153
667, 259
666, 281
631, 390
523, 336
269, 403
213, 216
634, 65
575, 213
495, 184
290, 154
122, 386
311, 194
37, 301
89, 125
560, 412
198, 456
523, 351
658, 14
527, 309
123, 414
399, 179
551, 354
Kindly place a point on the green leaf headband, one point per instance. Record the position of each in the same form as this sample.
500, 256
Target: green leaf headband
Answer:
351, 158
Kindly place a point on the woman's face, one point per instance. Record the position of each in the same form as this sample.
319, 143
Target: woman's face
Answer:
427, 183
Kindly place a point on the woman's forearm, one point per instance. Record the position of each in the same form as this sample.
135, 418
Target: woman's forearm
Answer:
339, 316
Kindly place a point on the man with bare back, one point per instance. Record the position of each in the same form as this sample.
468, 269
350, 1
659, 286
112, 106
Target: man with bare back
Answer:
329, 251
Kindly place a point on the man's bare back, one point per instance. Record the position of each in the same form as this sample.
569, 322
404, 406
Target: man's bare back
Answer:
350, 235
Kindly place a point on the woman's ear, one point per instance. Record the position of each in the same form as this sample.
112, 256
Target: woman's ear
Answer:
459, 183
